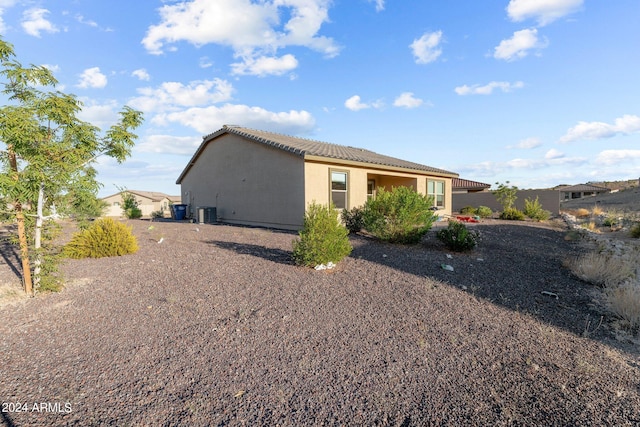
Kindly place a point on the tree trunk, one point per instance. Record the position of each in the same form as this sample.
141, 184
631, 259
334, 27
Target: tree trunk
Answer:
22, 235
24, 251
38, 237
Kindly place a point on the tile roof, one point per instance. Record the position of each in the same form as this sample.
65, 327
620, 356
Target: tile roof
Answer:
307, 147
155, 196
465, 183
584, 187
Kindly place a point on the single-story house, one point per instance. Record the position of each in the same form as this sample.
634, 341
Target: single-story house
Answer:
261, 178
148, 202
579, 191
459, 186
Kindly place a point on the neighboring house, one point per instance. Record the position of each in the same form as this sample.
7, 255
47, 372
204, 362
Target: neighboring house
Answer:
579, 191
267, 179
148, 202
459, 186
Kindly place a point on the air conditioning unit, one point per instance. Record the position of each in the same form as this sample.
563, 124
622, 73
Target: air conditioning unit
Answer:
207, 215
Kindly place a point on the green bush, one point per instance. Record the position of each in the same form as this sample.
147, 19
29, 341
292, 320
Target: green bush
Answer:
352, 219
468, 210
104, 238
506, 195
130, 206
484, 212
635, 230
512, 214
401, 215
322, 239
133, 213
458, 237
533, 209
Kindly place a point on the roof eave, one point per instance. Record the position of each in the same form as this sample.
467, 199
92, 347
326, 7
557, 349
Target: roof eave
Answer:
205, 141
381, 167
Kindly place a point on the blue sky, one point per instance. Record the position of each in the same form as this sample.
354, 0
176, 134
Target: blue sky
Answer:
535, 92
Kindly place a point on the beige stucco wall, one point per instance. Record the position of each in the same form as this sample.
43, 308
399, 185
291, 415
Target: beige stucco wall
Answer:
317, 183
248, 182
146, 205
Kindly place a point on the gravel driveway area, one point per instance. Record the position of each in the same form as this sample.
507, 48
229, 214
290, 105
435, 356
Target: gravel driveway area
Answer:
215, 327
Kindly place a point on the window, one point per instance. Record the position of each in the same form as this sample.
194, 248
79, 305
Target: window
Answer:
116, 203
339, 189
435, 189
371, 189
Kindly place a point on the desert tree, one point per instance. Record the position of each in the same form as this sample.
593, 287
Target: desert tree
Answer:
46, 152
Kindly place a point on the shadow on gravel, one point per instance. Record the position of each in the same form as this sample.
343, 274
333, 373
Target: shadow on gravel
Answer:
10, 256
6, 419
516, 267
271, 254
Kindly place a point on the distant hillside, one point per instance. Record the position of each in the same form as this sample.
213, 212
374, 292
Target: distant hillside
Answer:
616, 185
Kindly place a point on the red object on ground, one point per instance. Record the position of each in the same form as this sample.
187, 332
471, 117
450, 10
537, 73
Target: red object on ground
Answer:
466, 219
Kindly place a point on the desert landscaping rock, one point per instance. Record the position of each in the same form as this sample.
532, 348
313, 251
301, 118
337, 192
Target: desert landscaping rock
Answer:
216, 326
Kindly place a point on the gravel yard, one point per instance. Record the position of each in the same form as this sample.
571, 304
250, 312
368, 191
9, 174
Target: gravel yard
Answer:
215, 326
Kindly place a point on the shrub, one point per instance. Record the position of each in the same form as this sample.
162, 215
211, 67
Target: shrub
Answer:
512, 214
581, 213
322, 239
458, 237
468, 210
484, 212
635, 230
506, 195
401, 215
533, 209
157, 214
352, 219
133, 213
130, 206
624, 300
601, 269
104, 238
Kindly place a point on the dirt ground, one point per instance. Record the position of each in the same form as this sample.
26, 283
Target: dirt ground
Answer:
216, 326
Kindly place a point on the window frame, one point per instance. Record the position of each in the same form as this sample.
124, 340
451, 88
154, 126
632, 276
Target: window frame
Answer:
345, 191
435, 193
372, 194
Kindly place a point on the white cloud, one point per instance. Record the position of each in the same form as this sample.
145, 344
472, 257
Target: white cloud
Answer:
407, 100
553, 154
379, 5
4, 4
101, 115
169, 144
34, 22
92, 78
141, 74
615, 157
354, 103
426, 49
264, 66
488, 88
52, 68
209, 119
81, 19
174, 95
544, 11
527, 143
490, 168
205, 62
519, 45
624, 125
252, 29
